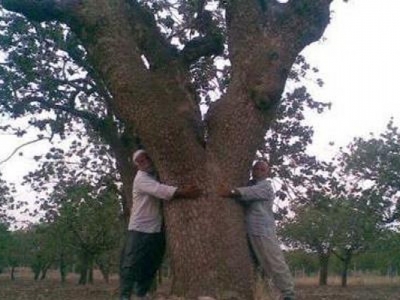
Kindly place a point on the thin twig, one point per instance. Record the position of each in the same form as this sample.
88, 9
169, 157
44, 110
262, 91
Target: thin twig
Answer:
21, 146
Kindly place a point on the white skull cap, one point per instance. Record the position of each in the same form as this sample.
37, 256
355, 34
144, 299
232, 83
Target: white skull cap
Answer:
137, 153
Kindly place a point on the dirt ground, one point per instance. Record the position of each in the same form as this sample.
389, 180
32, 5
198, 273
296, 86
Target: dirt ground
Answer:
25, 288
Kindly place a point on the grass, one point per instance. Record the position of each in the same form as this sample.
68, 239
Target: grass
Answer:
359, 280
365, 287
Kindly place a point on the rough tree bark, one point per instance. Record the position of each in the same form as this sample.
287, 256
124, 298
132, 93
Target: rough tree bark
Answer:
206, 237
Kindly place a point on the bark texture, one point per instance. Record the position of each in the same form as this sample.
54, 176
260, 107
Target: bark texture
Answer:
206, 237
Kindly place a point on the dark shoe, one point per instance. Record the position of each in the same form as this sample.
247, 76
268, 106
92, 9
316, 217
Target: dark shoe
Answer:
288, 298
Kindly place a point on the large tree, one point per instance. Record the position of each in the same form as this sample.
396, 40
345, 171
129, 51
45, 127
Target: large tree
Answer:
150, 81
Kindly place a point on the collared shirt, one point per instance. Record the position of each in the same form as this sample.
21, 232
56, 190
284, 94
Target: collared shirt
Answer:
146, 213
258, 200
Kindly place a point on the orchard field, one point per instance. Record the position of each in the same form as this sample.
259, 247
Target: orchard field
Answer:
25, 288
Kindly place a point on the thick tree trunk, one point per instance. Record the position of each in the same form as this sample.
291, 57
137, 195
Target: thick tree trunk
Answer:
220, 257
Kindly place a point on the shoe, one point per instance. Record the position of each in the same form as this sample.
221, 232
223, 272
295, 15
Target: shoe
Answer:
288, 298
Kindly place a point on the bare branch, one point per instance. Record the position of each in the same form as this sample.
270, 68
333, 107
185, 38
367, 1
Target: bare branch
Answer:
21, 146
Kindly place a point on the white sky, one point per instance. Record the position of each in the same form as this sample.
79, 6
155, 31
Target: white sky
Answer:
358, 62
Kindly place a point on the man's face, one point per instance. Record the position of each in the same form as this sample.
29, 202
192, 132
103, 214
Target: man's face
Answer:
260, 170
144, 163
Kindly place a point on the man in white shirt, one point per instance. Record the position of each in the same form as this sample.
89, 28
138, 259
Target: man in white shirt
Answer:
258, 199
145, 244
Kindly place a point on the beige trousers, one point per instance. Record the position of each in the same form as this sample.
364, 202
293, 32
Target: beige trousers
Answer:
270, 257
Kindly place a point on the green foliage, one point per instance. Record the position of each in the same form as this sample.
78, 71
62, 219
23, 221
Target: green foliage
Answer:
352, 204
302, 261
312, 228
288, 138
47, 82
376, 164
5, 239
90, 221
6, 201
18, 250
343, 227
84, 214
383, 255
82, 224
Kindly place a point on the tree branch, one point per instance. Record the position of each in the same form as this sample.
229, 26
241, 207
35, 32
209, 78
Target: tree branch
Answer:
21, 146
211, 40
264, 41
212, 44
309, 19
42, 10
151, 42
92, 118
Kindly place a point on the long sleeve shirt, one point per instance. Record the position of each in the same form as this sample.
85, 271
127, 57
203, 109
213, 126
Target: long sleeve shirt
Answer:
146, 213
258, 200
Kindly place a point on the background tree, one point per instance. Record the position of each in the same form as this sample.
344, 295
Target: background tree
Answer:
359, 226
91, 225
352, 200
382, 255
302, 263
18, 251
311, 230
7, 203
43, 250
374, 163
5, 238
151, 84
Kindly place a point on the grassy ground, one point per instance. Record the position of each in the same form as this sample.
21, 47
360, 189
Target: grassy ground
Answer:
25, 288
361, 288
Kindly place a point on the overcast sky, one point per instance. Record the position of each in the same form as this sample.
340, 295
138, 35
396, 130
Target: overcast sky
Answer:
359, 63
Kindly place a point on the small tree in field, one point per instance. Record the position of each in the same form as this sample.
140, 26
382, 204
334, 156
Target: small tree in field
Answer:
311, 230
89, 219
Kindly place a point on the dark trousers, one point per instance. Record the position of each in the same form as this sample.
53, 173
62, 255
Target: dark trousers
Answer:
140, 259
